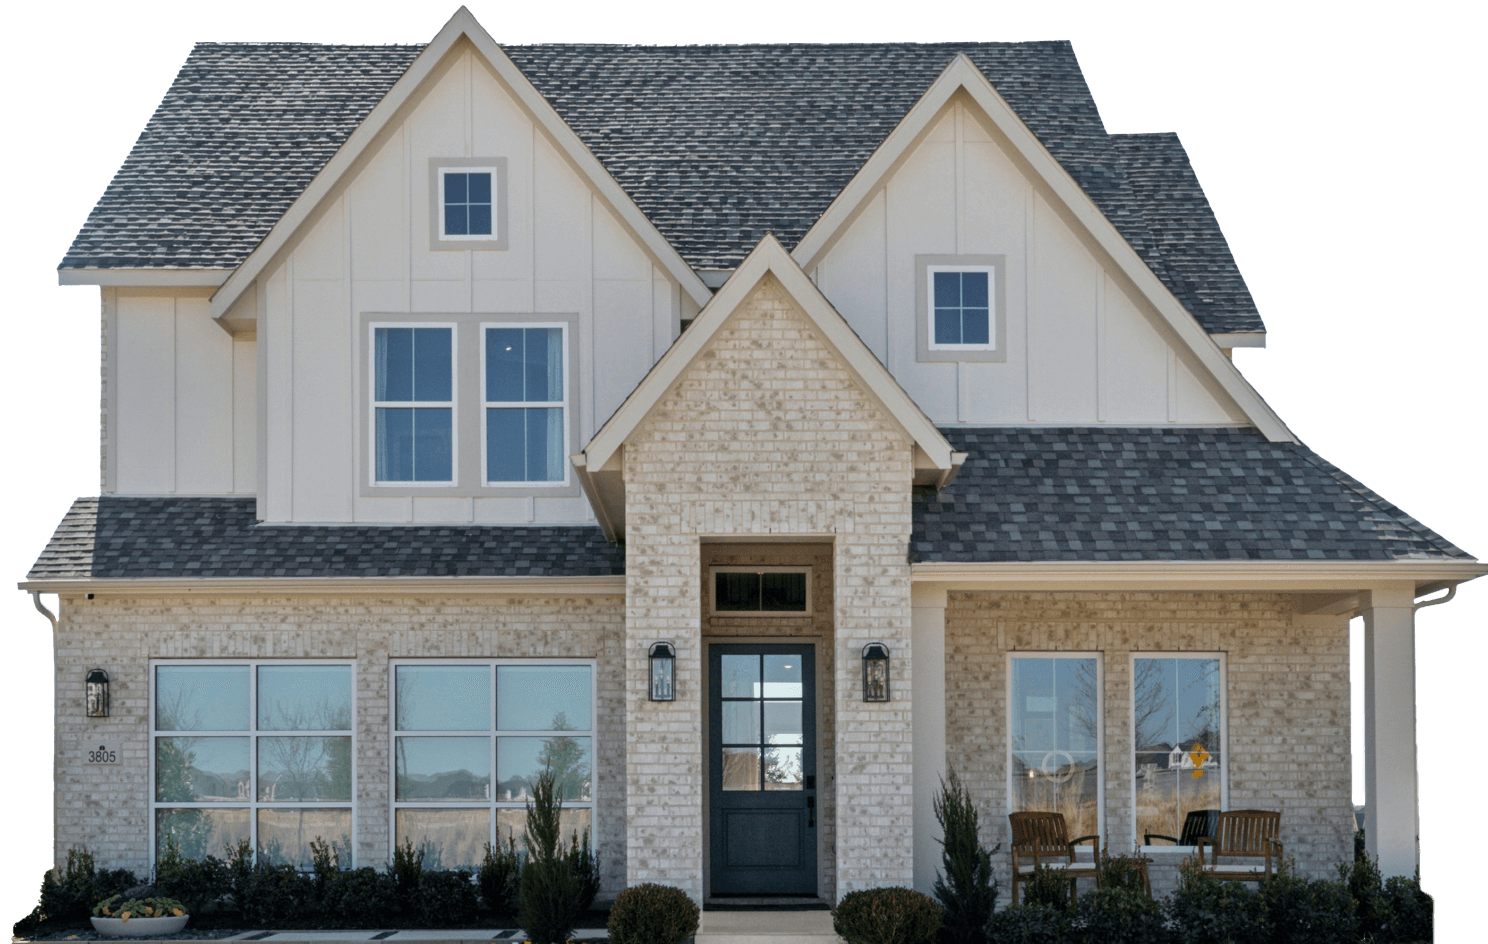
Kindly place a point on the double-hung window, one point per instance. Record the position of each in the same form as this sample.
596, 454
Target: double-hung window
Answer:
256, 752
413, 404
1178, 720
470, 739
1055, 738
526, 403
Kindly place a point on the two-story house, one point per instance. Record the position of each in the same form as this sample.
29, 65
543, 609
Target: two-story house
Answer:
747, 434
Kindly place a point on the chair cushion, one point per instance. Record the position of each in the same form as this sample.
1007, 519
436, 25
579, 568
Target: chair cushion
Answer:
1026, 867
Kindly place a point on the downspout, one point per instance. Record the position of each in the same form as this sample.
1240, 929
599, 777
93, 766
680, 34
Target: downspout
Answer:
52, 618
1451, 592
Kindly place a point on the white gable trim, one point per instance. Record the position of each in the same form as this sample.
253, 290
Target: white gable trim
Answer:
770, 258
963, 75
462, 25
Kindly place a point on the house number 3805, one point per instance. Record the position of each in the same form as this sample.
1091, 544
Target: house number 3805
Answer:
103, 755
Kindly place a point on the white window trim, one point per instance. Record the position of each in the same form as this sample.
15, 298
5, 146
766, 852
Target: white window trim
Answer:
495, 232
492, 733
374, 404
1224, 739
499, 404
1100, 727
992, 313
752, 569
253, 804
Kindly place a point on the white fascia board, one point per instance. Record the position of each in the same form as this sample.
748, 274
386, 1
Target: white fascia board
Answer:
769, 257
1240, 339
962, 74
146, 586
1276, 575
144, 278
462, 25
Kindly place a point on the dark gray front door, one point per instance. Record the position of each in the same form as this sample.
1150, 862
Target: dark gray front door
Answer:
762, 769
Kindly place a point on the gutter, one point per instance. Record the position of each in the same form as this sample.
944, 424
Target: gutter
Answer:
40, 608
196, 586
1194, 575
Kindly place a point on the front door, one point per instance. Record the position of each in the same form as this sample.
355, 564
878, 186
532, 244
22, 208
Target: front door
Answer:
762, 769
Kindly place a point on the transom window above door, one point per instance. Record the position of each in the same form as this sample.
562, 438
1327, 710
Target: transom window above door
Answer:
762, 591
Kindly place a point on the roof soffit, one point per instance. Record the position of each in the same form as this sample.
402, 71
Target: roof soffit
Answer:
461, 26
963, 77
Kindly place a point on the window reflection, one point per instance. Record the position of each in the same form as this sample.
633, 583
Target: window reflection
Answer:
1054, 734
1179, 767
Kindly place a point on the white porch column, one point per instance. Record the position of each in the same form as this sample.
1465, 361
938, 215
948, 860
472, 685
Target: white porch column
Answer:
1391, 817
927, 631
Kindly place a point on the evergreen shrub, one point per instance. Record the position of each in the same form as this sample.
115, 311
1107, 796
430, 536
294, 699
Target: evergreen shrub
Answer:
887, 916
1029, 924
965, 887
499, 878
552, 892
1204, 910
652, 914
1119, 916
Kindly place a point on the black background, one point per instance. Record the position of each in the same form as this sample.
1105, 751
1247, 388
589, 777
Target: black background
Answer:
1326, 170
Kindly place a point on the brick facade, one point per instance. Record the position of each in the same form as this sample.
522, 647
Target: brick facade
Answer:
1288, 703
107, 808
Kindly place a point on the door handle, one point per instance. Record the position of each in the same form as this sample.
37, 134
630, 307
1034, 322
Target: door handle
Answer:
811, 812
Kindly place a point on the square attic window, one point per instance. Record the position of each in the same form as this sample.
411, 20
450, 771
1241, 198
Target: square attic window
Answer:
960, 308
466, 205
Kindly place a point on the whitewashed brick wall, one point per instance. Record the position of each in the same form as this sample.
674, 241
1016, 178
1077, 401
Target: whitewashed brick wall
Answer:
1288, 701
767, 433
107, 808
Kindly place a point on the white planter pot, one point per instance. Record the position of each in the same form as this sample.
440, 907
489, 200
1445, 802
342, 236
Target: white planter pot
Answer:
139, 927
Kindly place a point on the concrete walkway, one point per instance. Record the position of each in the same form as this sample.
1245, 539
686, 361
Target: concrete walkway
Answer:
767, 927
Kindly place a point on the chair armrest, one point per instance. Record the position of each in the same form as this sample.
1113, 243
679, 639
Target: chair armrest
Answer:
1148, 837
1094, 846
1269, 845
1204, 841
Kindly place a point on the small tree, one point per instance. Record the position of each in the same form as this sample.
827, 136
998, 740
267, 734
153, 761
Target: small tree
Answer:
965, 887
552, 892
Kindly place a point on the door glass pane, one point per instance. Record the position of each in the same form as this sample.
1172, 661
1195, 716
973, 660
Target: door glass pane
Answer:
1055, 721
520, 760
444, 698
543, 698
1179, 769
304, 698
782, 676
736, 592
741, 768
740, 677
201, 832
741, 722
304, 768
443, 768
783, 768
201, 698
451, 839
783, 592
783, 722
198, 769
284, 836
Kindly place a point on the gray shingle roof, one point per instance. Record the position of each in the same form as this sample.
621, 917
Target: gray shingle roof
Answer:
1041, 494
717, 145
113, 537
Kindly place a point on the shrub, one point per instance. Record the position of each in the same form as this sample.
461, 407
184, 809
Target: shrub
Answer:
68, 896
275, 895
585, 866
887, 916
1122, 871
499, 876
1409, 911
1029, 924
552, 892
652, 914
360, 898
965, 888
407, 869
1205, 911
1047, 887
446, 898
1119, 916
197, 883
1303, 912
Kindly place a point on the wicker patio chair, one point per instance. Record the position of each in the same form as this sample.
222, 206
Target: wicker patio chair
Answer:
1042, 839
1196, 825
1251, 835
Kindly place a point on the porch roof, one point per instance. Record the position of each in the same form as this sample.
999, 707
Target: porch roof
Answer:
1156, 494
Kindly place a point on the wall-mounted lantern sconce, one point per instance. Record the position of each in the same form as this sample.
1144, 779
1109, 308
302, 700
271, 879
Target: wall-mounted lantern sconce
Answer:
663, 672
875, 672
97, 688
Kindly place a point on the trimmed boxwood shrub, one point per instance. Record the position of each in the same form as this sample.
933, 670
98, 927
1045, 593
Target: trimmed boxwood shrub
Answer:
1119, 916
1307, 912
652, 914
1029, 924
1206, 911
446, 897
887, 916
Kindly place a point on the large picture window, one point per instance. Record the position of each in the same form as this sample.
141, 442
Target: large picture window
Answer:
1178, 714
469, 740
413, 404
1055, 738
255, 752
526, 404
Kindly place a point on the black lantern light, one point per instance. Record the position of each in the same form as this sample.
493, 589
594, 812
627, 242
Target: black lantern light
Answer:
663, 672
875, 672
96, 686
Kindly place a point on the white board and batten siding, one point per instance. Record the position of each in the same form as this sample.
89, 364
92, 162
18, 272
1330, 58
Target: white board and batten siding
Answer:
368, 251
1082, 348
180, 394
